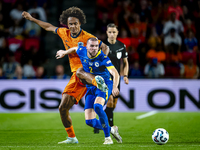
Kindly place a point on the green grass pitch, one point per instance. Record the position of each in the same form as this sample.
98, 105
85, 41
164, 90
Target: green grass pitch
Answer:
42, 131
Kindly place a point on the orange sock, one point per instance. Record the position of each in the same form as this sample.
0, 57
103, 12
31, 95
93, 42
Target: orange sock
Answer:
70, 131
94, 82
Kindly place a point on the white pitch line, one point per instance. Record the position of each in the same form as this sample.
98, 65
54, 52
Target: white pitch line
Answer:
147, 114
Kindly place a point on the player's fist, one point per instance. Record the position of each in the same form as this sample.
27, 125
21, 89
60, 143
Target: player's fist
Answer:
126, 80
26, 15
115, 92
60, 54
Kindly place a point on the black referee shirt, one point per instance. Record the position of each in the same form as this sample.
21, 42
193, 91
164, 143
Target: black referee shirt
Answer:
117, 52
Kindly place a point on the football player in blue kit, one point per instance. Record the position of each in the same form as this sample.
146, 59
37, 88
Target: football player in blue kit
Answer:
95, 62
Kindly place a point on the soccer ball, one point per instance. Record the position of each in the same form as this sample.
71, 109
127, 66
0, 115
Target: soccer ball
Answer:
160, 136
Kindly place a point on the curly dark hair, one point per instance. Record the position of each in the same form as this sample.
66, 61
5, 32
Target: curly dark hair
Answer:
72, 12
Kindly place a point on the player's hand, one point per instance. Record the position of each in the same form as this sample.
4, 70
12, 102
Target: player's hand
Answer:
26, 15
60, 54
126, 80
115, 92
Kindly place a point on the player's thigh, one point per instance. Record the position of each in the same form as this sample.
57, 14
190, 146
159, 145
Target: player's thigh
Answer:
90, 114
67, 101
103, 97
79, 74
75, 88
89, 99
85, 77
110, 102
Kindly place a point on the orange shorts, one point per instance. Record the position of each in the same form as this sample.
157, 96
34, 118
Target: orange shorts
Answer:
75, 88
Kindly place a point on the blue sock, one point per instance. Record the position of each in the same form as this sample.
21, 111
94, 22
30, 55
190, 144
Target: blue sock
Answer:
98, 108
94, 123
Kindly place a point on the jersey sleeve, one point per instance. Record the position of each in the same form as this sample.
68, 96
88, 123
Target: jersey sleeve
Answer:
61, 31
107, 62
124, 52
80, 51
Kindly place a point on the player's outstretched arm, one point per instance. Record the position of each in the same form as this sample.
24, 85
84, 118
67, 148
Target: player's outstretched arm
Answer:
62, 53
104, 48
46, 26
115, 75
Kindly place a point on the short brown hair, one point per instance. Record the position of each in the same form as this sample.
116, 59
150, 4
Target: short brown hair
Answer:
111, 25
72, 12
92, 39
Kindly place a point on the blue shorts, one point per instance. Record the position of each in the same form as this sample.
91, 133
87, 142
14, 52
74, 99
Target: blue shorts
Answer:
93, 92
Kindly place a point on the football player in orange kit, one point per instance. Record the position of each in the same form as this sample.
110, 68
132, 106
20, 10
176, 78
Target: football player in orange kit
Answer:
72, 17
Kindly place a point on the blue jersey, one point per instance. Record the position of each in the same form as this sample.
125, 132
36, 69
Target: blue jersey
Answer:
98, 65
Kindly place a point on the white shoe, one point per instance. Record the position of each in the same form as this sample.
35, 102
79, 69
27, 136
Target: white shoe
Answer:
69, 140
108, 140
115, 133
101, 84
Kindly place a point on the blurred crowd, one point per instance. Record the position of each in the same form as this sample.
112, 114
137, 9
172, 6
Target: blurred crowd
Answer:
22, 41
161, 37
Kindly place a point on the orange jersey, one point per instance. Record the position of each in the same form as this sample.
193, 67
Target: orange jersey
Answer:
70, 41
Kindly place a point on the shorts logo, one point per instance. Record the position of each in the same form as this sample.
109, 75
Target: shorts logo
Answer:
85, 60
96, 64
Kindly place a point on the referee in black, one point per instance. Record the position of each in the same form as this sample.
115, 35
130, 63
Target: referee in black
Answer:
117, 55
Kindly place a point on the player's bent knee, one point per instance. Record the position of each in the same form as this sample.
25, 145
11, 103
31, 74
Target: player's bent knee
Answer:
79, 72
63, 108
97, 108
66, 103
